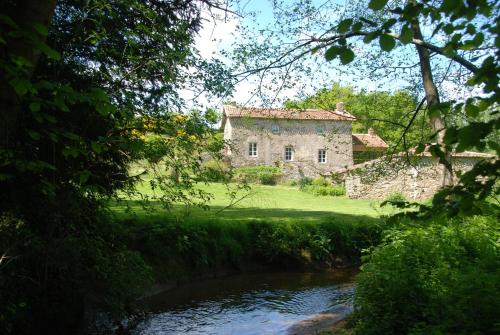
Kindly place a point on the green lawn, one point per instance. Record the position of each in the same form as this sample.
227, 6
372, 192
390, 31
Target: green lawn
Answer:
272, 203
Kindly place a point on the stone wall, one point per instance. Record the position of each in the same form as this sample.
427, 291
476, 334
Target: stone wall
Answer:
418, 178
306, 137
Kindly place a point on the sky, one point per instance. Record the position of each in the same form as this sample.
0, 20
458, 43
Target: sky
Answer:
221, 33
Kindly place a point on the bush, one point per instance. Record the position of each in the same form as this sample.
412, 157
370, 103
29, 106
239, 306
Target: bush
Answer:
435, 279
269, 178
216, 171
266, 175
304, 181
320, 181
396, 197
319, 186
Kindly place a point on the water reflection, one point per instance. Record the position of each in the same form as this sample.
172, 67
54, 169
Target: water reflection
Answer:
247, 304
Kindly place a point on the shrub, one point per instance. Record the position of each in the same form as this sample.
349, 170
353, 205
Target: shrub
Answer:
435, 279
304, 181
320, 181
319, 186
266, 175
269, 178
396, 197
216, 171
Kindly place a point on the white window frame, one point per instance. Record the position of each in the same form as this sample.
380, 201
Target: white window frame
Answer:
252, 149
275, 128
322, 156
289, 149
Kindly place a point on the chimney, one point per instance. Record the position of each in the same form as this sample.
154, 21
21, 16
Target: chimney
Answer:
371, 131
339, 107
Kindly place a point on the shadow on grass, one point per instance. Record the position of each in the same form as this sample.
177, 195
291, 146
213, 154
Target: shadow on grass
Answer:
154, 210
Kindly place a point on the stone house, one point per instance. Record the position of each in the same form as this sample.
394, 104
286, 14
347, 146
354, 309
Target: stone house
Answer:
305, 143
415, 177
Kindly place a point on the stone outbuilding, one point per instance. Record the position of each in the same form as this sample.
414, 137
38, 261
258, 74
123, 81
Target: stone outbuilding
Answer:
305, 143
367, 147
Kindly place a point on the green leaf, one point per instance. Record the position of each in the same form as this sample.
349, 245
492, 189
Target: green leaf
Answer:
449, 5
84, 176
387, 43
377, 4
315, 50
389, 23
471, 110
34, 135
21, 86
332, 52
370, 37
41, 29
344, 26
8, 21
96, 147
357, 26
48, 51
449, 28
370, 22
346, 56
34, 106
406, 35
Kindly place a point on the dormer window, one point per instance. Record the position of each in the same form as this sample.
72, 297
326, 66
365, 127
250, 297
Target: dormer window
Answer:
275, 129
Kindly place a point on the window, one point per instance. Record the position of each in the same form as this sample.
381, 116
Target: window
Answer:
289, 153
320, 129
275, 129
252, 149
321, 156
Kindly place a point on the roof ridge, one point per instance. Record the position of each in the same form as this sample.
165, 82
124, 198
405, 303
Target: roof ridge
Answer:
287, 113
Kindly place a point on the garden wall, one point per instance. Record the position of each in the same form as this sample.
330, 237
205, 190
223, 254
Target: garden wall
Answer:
417, 177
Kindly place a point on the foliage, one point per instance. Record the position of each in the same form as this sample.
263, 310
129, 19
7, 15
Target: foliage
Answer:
101, 92
216, 171
265, 175
319, 186
182, 249
435, 277
92, 259
304, 181
386, 112
395, 197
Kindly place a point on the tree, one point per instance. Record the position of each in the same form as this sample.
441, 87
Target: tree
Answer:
384, 111
87, 87
459, 45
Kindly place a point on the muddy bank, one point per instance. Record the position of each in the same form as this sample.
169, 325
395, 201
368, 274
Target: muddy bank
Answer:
323, 321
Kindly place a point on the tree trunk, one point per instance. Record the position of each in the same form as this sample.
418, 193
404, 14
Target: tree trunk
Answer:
432, 99
24, 13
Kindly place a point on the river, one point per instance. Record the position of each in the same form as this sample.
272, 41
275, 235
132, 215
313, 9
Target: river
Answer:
248, 304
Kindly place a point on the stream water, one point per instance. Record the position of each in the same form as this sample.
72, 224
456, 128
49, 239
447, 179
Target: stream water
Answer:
269, 303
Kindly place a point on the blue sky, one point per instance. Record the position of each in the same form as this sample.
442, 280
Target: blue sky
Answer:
223, 34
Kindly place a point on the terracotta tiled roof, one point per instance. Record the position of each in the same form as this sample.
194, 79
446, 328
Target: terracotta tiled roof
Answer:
369, 140
292, 114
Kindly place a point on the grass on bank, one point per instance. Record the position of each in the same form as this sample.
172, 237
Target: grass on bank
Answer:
278, 203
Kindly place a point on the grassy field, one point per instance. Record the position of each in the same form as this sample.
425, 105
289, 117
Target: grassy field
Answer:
270, 203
